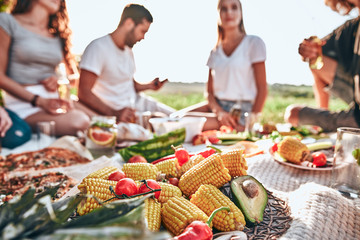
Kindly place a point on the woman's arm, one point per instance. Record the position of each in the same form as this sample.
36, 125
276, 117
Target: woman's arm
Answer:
261, 86
223, 117
5, 122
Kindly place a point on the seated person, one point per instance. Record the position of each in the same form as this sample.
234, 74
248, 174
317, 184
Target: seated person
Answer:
13, 130
107, 84
36, 38
340, 68
236, 72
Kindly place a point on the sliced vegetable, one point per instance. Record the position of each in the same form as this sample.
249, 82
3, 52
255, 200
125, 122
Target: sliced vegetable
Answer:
155, 148
319, 145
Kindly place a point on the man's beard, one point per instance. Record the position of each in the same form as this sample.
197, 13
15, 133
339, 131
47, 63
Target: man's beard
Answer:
130, 38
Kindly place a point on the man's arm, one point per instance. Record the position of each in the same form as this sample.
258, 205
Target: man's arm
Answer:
155, 85
87, 97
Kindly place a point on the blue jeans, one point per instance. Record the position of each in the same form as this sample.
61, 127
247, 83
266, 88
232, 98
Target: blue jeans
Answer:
18, 134
246, 106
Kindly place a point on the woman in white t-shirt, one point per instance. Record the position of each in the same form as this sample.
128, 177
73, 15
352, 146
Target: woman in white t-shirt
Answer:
236, 71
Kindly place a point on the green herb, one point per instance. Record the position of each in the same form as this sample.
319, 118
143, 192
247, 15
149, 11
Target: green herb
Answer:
356, 155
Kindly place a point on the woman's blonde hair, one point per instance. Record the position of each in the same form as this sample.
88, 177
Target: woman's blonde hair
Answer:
221, 33
58, 26
341, 6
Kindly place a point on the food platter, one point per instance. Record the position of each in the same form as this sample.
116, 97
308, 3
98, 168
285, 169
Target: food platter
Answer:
306, 165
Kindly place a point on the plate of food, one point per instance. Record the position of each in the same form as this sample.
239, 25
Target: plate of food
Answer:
316, 156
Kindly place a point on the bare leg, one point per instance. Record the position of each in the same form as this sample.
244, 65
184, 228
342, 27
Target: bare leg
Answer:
65, 124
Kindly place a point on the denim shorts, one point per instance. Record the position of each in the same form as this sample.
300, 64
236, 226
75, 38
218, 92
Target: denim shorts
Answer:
246, 106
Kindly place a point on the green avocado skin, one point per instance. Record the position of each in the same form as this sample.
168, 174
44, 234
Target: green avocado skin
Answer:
253, 209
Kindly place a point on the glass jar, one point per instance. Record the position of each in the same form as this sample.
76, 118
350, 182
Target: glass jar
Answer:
101, 136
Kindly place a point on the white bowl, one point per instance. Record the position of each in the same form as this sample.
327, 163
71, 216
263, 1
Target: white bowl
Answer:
192, 125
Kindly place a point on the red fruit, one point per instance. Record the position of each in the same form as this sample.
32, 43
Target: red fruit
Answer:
274, 148
319, 159
208, 152
174, 181
126, 186
226, 129
198, 139
137, 159
213, 140
182, 155
116, 176
152, 184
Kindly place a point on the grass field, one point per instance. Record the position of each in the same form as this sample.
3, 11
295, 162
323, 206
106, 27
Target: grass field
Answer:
181, 95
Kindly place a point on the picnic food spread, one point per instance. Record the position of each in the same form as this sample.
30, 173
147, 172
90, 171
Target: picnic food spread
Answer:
179, 191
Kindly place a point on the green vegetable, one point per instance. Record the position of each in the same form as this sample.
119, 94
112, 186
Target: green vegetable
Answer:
319, 145
356, 155
155, 148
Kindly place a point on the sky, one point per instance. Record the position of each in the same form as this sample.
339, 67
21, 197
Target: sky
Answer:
183, 33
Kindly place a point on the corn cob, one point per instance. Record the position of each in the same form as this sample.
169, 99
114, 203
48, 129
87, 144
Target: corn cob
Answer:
234, 161
168, 191
140, 171
98, 188
208, 198
169, 167
210, 171
178, 212
153, 214
103, 173
293, 150
197, 158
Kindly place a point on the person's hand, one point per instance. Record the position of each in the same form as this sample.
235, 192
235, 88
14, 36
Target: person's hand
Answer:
226, 119
50, 83
309, 49
5, 122
51, 105
125, 115
156, 84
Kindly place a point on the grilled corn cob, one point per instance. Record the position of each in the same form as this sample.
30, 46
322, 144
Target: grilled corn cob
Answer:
208, 198
209, 171
169, 167
153, 214
178, 212
197, 158
98, 188
140, 171
234, 161
293, 150
168, 191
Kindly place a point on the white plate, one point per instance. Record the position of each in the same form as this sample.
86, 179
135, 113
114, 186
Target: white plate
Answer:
281, 160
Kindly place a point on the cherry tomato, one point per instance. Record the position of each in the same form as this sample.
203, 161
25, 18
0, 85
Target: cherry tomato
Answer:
126, 186
116, 176
182, 155
174, 181
137, 159
274, 148
226, 129
319, 159
208, 152
152, 184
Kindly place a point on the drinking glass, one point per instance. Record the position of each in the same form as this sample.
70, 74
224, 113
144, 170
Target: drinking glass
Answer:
346, 168
101, 136
45, 134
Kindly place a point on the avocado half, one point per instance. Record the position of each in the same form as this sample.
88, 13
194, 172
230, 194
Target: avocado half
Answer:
251, 197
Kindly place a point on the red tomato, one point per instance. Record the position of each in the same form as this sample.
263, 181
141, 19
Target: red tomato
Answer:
226, 129
274, 148
152, 184
174, 181
137, 159
116, 176
208, 152
319, 159
126, 186
182, 155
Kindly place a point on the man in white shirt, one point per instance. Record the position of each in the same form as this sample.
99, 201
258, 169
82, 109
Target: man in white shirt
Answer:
107, 83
